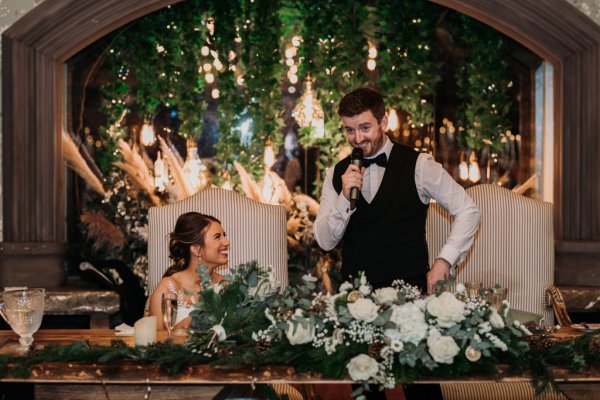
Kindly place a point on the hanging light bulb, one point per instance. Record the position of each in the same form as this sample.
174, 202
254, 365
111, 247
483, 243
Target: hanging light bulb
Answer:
147, 135
161, 173
371, 64
227, 181
319, 125
269, 156
463, 168
474, 171
194, 170
308, 108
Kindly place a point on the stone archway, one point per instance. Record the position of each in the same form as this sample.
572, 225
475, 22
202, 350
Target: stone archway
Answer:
36, 47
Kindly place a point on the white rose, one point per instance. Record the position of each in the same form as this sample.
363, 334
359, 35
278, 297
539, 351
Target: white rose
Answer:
365, 289
300, 332
362, 368
443, 349
364, 310
460, 288
447, 309
410, 321
386, 295
309, 278
496, 320
346, 287
472, 354
422, 303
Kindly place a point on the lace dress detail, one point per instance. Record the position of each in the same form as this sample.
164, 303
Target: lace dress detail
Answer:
183, 308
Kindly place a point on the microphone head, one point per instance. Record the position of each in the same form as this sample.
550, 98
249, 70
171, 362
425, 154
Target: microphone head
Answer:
357, 153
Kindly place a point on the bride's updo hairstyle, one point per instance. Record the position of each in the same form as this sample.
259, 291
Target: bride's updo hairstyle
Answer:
190, 229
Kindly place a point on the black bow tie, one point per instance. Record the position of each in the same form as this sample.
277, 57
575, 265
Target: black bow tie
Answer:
380, 160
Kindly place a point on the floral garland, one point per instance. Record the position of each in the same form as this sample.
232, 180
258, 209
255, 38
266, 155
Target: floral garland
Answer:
387, 336
390, 335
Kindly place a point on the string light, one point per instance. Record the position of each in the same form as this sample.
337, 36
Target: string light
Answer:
147, 134
308, 108
161, 173
393, 123
463, 168
474, 171
371, 63
227, 181
269, 155
194, 170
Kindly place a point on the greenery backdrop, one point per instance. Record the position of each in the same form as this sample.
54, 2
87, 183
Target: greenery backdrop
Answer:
156, 69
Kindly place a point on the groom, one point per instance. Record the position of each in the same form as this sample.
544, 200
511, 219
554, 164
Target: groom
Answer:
385, 234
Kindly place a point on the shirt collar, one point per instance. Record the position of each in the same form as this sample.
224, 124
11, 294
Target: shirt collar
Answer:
386, 148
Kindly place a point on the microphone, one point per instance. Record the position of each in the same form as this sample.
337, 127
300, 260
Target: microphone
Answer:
356, 159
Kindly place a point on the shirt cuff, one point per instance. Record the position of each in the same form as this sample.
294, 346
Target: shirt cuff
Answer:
342, 205
451, 255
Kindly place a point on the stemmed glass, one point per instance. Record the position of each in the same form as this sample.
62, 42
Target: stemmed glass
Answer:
496, 297
23, 311
473, 289
169, 311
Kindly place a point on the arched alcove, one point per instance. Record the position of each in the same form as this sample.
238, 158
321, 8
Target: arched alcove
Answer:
33, 76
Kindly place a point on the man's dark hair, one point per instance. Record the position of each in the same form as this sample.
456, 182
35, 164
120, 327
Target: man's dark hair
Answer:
361, 100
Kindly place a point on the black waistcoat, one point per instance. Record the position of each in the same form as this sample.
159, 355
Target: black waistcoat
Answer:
386, 238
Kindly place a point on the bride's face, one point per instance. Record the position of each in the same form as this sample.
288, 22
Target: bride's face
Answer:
215, 251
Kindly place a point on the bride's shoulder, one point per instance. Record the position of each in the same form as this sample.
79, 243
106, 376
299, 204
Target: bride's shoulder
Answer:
170, 283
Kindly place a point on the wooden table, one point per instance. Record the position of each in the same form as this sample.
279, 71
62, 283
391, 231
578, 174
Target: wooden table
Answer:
206, 381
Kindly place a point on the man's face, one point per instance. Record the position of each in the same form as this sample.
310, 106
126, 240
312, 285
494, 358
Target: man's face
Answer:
365, 132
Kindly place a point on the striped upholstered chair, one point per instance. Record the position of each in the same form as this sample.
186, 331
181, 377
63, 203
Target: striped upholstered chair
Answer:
513, 247
257, 231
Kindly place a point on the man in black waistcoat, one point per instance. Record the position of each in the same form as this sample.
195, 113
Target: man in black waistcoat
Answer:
384, 235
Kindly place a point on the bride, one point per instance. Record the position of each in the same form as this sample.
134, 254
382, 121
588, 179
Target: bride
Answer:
197, 240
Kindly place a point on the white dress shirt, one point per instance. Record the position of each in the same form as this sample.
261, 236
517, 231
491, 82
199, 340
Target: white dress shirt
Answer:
433, 183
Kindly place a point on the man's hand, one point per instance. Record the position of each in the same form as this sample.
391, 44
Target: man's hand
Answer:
352, 178
439, 271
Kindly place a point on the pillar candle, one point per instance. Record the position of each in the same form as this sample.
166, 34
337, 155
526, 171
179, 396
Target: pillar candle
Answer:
145, 331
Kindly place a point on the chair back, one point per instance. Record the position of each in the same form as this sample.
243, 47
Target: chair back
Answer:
514, 246
257, 231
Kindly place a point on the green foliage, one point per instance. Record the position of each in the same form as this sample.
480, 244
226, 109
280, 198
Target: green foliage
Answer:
237, 306
257, 27
156, 62
411, 70
483, 82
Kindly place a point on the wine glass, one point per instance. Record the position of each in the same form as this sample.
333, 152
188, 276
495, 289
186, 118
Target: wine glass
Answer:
23, 311
169, 311
473, 289
496, 297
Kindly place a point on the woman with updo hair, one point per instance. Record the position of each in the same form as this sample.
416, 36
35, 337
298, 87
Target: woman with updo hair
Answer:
197, 240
